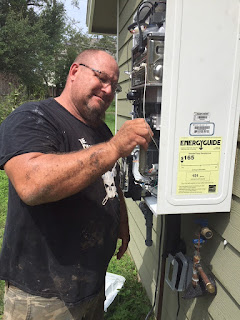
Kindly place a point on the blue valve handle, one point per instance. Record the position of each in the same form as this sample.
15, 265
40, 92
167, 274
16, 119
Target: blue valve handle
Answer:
196, 241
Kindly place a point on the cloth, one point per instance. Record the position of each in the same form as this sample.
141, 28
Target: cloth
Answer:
60, 249
19, 305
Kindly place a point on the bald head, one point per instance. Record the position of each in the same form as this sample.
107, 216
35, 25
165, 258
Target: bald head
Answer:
90, 55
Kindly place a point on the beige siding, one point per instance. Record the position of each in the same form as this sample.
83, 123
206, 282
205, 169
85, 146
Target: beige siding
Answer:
124, 108
145, 258
120, 121
218, 257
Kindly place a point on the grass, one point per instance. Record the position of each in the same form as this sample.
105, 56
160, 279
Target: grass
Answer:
3, 213
110, 117
131, 302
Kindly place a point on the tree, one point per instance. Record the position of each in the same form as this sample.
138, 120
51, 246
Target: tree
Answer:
30, 40
20, 46
74, 43
38, 44
106, 42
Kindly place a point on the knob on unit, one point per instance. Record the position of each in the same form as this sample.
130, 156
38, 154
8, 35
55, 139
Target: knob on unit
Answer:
133, 95
158, 71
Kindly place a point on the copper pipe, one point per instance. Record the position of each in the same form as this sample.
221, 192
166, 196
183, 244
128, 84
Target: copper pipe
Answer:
209, 286
195, 278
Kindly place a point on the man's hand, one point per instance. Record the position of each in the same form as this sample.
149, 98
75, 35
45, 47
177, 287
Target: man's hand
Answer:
125, 237
123, 227
132, 133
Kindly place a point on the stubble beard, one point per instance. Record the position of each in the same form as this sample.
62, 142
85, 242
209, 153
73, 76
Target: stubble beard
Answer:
93, 115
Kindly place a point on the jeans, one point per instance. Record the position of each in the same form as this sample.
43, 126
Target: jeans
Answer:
20, 305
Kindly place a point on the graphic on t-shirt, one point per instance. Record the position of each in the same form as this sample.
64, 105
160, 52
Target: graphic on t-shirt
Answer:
108, 177
84, 143
109, 184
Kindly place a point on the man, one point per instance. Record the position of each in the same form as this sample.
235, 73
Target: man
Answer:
66, 209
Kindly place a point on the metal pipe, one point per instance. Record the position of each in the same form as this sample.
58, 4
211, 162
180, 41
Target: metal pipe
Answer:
148, 215
209, 286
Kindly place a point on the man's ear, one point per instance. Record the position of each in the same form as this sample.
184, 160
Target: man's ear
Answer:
73, 70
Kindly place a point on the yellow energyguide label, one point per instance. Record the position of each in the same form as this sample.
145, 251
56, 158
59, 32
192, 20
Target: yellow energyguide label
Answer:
198, 165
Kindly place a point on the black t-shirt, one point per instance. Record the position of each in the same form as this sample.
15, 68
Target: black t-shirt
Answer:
61, 248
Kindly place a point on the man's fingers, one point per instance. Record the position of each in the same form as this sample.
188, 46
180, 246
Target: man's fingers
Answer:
122, 250
132, 133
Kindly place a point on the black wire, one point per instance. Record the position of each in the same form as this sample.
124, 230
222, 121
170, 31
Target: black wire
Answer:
145, 2
146, 16
140, 30
178, 306
158, 269
140, 7
151, 11
154, 5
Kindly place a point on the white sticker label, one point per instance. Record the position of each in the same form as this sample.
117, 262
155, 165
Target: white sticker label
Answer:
201, 116
202, 129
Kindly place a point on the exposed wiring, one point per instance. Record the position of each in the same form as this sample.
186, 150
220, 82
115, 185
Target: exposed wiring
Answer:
128, 68
144, 103
144, 93
144, 4
150, 12
158, 269
134, 24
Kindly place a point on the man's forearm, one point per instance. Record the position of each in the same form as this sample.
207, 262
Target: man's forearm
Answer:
40, 178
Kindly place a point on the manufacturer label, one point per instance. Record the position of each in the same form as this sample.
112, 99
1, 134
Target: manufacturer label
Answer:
202, 129
201, 116
198, 165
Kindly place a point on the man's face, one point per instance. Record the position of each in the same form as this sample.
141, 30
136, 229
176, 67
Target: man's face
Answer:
91, 91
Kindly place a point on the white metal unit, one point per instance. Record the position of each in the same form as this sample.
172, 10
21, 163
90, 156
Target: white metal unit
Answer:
200, 106
197, 103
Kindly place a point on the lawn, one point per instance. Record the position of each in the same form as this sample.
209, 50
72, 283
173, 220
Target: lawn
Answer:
131, 302
3, 211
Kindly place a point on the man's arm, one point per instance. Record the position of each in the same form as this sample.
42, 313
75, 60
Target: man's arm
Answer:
41, 178
124, 234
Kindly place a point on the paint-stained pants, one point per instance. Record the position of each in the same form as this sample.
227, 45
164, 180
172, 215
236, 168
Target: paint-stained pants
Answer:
19, 305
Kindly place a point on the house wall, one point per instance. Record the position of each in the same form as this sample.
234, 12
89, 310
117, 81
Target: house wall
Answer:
219, 258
